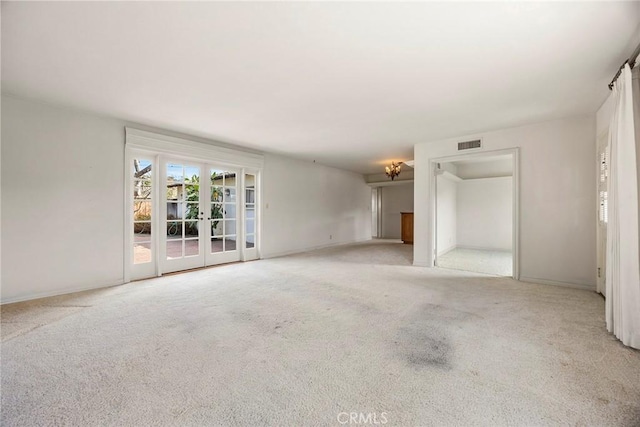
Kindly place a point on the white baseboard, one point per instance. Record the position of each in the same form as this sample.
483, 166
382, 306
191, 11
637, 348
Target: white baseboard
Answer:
59, 292
446, 251
480, 248
310, 248
582, 286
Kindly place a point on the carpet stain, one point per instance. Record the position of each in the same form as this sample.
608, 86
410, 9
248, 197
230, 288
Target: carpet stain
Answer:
424, 341
424, 347
430, 350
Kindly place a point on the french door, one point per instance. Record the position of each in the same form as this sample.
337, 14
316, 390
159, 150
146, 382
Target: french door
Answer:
201, 215
205, 214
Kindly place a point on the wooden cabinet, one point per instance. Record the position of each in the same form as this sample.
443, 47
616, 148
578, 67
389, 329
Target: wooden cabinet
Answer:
407, 227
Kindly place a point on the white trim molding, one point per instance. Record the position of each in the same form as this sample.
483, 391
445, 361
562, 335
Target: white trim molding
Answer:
150, 141
312, 248
377, 184
39, 295
582, 286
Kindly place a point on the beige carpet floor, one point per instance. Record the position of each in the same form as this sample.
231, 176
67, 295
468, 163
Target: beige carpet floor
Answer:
498, 263
301, 339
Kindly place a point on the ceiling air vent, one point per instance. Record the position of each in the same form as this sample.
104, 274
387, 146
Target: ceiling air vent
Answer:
467, 145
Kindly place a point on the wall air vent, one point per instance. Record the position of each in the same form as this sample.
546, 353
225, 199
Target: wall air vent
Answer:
468, 145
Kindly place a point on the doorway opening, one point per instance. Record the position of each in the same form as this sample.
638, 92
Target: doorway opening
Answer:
475, 203
376, 212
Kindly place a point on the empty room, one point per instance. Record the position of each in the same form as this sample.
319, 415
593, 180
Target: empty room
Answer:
320, 213
475, 214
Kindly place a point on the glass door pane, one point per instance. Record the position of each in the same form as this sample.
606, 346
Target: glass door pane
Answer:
184, 216
230, 211
216, 217
223, 216
223, 213
175, 210
142, 210
250, 210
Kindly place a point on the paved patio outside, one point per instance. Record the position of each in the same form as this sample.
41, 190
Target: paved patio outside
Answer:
142, 247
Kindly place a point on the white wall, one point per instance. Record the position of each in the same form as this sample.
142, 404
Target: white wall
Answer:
447, 216
307, 205
62, 200
484, 216
557, 197
395, 199
603, 116
63, 190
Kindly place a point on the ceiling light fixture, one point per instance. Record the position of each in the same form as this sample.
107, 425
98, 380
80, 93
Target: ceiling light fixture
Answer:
393, 170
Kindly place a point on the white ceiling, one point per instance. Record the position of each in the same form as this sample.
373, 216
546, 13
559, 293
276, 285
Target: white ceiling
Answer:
352, 85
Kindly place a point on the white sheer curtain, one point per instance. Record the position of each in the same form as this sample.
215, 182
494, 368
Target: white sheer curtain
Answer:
623, 252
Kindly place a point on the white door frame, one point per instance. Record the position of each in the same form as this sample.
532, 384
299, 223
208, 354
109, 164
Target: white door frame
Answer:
157, 147
433, 170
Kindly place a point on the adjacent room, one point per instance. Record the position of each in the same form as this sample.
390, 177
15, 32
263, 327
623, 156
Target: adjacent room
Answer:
320, 213
474, 216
